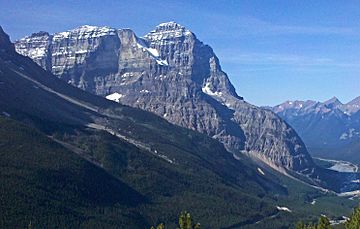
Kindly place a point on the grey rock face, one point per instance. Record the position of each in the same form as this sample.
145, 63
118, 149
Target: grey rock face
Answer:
173, 74
39, 44
72, 54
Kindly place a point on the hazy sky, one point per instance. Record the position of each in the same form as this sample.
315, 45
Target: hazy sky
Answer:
272, 50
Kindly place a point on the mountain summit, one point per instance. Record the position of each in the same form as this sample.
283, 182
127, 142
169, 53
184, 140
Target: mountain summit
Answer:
173, 74
353, 106
168, 30
333, 103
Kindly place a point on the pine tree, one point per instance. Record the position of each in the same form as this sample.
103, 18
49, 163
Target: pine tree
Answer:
30, 226
188, 221
324, 223
354, 221
300, 225
161, 226
197, 226
185, 221
181, 221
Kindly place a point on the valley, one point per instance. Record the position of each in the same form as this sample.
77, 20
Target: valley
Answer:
340, 166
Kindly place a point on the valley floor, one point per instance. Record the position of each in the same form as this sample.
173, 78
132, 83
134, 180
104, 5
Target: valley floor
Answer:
340, 166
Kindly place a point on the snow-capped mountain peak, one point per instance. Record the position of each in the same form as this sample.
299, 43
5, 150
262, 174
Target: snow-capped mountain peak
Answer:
168, 30
86, 31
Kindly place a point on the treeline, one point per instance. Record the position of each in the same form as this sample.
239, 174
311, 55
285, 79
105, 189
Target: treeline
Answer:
186, 222
324, 223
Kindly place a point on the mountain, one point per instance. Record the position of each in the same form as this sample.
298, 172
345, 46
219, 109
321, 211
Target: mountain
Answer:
353, 106
67, 145
174, 75
85, 161
329, 129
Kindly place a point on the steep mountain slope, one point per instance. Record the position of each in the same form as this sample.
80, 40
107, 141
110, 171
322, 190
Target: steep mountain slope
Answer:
328, 128
45, 184
173, 74
173, 168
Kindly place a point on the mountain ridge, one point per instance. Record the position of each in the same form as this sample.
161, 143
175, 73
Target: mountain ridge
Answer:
325, 126
174, 75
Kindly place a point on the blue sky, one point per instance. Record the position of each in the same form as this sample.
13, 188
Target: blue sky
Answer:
272, 50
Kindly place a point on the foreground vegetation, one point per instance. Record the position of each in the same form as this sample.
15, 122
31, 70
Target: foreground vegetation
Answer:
185, 222
324, 223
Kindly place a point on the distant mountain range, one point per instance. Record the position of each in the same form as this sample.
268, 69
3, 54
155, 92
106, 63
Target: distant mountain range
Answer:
329, 129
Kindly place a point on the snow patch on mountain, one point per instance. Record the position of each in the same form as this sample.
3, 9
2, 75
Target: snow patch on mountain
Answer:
350, 134
144, 91
115, 97
207, 90
167, 31
85, 32
6, 114
162, 62
261, 171
283, 209
152, 51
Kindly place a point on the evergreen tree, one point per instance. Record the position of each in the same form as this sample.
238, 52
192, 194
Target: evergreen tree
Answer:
30, 226
354, 221
324, 223
300, 225
161, 226
188, 221
185, 221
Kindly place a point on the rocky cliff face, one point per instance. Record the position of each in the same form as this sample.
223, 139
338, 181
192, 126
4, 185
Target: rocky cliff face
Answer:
173, 74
